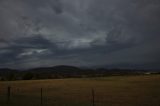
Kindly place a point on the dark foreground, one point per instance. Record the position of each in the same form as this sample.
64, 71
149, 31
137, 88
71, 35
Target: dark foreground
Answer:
108, 91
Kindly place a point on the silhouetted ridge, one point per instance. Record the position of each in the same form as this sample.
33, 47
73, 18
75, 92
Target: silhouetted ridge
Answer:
59, 69
7, 70
64, 71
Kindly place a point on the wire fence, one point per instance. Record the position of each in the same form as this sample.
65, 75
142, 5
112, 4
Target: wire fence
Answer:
42, 97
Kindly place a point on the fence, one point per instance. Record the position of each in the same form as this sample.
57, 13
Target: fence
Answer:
41, 97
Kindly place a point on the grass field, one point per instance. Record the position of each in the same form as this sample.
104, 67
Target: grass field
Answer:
109, 91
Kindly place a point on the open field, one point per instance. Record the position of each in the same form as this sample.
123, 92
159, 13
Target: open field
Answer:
109, 91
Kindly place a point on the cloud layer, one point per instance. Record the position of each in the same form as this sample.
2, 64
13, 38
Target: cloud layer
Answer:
79, 32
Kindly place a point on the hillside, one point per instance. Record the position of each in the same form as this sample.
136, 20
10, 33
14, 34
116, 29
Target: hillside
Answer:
64, 71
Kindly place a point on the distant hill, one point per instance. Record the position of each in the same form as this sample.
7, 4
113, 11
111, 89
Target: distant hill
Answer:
64, 71
4, 71
59, 69
7, 74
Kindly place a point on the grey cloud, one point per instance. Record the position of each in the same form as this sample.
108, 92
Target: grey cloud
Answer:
79, 32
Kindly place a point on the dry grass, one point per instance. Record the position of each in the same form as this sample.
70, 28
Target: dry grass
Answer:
109, 91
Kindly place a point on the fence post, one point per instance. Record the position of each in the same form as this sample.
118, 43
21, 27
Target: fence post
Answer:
41, 97
93, 98
8, 94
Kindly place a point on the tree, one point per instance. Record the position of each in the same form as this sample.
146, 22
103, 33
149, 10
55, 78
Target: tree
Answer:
27, 76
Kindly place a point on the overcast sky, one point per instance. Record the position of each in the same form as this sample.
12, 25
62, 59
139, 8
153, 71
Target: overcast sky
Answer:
99, 33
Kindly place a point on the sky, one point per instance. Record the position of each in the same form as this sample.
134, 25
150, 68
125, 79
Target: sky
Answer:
85, 33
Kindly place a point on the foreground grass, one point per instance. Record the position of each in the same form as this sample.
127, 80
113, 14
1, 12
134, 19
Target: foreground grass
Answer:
109, 91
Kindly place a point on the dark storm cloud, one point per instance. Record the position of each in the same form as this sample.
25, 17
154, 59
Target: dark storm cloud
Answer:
79, 32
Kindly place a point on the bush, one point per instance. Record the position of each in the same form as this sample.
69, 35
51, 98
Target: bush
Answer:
27, 76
